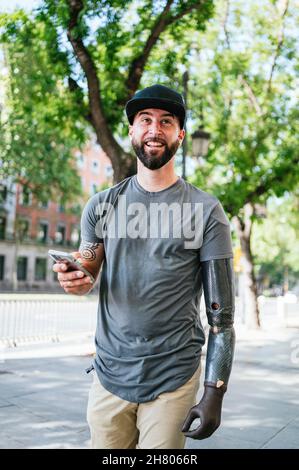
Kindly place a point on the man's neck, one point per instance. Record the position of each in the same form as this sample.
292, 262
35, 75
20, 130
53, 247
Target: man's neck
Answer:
156, 180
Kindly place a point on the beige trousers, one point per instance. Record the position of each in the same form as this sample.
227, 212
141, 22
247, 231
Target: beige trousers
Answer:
119, 424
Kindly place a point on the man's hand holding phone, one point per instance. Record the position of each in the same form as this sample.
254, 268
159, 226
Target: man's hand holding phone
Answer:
73, 282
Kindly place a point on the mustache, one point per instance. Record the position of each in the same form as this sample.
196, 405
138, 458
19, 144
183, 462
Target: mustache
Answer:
154, 139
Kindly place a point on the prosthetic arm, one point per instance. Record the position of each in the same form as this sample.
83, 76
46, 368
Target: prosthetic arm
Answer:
218, 284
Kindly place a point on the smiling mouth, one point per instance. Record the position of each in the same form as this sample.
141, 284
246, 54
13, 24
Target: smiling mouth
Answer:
154, 145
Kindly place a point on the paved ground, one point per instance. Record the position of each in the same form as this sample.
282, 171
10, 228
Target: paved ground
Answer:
43, 395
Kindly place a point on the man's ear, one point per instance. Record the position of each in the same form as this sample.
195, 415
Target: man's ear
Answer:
181, 135
130, 131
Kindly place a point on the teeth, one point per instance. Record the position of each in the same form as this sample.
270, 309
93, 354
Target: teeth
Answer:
154, 144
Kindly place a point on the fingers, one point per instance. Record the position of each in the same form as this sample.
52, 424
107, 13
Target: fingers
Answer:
195, 433
76, 283
70, 276
192, 415
59, 267
82, 289
201, 432
76, 286
73, 280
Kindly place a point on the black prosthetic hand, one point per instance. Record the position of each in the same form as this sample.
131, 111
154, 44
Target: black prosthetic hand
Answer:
218, 284
208, 410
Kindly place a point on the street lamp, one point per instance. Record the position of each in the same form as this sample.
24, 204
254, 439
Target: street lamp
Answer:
185, 145
200, 142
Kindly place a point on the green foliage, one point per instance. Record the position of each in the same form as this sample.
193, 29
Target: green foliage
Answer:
115, 33
274, 240
41, 126
47, 105
253, 123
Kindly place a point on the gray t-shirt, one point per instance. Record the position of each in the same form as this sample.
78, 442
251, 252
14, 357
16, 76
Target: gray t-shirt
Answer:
149, 335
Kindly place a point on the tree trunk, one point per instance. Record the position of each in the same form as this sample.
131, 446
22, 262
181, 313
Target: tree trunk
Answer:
124, 171
123, 164
243, 228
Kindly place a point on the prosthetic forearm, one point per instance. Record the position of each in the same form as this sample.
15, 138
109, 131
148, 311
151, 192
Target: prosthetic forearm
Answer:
218, 284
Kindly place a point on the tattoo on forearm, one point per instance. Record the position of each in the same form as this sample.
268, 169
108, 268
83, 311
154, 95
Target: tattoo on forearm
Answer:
87, 250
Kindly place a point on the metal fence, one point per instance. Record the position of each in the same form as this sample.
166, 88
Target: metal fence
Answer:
27, 319
32, 320
277, 311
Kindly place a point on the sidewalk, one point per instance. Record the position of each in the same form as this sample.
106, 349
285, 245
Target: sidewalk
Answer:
44, 390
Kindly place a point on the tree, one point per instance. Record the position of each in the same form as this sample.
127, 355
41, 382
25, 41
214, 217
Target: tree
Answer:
246, 69
101, 50
38, 134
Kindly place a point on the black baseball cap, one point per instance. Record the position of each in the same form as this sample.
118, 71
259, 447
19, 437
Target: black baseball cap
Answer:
158, 97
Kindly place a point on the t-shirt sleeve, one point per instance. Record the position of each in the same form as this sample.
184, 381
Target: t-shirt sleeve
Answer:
89, 221
217, 242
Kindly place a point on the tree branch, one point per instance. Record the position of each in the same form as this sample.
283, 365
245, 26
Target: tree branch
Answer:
104, 135
177, 17
279, 43
248, 88
224, 24
74, 88
137, 66
251, 96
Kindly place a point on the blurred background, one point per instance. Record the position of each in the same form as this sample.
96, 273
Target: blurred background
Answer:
67, 68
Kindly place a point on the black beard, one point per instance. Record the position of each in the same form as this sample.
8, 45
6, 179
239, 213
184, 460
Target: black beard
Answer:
152, 162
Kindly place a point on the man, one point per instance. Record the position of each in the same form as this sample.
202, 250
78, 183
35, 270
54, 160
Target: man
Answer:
160, 240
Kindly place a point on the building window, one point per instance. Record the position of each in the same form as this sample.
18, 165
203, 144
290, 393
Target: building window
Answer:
3, 193
2, 227
2, 259
80, 161
26, 197
43, 205
43, 232
40, 272
60, 235
95, 166
22, 268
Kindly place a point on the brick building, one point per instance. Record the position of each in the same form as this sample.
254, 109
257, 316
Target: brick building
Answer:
29, 229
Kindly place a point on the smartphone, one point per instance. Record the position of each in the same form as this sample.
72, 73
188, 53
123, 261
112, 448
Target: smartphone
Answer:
70, 261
